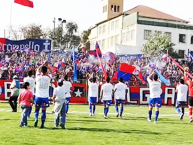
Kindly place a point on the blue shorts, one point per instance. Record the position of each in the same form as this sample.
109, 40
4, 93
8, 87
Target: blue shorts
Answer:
119, 101
68, 99
107, 102
181, 103
41, 102
93, 100
155, 102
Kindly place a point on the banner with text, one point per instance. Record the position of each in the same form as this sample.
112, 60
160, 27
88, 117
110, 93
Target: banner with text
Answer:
135, 95
37, 45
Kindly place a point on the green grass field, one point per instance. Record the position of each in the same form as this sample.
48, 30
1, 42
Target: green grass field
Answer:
84, 130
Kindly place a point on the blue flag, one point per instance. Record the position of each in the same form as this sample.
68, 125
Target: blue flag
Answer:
74, 65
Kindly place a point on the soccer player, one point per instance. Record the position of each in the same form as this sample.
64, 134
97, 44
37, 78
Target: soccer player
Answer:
106, 96
42, 93
67, 85
190, 99
25, 99
155, 98
93, 88
31, 81
181, 101
120, 91
59, 105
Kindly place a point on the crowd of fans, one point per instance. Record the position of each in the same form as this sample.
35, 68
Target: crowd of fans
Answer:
19, 63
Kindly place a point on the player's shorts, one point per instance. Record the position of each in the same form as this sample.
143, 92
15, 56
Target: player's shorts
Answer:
93, 100
107, 102
190, 101
41, 102
155, 102
119, 101
181, 103
68, 100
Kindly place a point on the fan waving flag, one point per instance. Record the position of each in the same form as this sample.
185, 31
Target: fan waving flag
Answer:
27, 3
98, 53
94, 52
125, 71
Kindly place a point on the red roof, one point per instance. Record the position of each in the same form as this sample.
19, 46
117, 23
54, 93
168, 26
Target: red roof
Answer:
148, 12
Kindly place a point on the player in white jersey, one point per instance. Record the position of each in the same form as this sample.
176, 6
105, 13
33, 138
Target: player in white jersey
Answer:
155, 95
120, 91
182, 92
42, 93
59, 100
106, 95
93, 88
67, 85
31, 81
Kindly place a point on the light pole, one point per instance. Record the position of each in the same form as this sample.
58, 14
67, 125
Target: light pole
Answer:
60, 27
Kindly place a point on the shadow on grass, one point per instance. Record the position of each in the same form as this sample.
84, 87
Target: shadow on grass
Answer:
115, 130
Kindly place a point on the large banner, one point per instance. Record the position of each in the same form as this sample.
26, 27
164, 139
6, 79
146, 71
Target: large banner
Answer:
135, 95
7, 45
124, 58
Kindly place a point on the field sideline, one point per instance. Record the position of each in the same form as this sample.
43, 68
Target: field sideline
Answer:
84, 130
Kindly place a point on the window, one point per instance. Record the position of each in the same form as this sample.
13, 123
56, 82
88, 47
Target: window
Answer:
103, 43
100, 43
147, 33
123, 37
117, 24
100, 30
158, 32
181, 53
132, 34
128, 36
112, 25
111, 41
115, 8
182, 38
112, 8
169, 34
118, 8
117, 39
104, 28
191, 40
104, 9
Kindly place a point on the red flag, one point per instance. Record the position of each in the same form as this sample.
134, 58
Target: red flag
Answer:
98, 52
126, 68
26, 3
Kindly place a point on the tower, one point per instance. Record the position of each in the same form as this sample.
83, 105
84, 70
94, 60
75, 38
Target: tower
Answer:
111, 8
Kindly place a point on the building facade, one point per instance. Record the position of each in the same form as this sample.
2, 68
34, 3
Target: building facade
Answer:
133, 27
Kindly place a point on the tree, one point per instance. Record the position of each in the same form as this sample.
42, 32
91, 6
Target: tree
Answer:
67, 39
85, 40
34, 31
157, 44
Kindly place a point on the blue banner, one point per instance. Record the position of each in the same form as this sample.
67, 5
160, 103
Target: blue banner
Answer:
75, 79
124, 58
32, 44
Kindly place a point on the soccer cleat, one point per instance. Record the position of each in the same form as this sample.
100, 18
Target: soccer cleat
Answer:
181, 116
62, 126
105, 117
36, 123
155, 122
43, 127
149, 120
93, 114
117, 115
190, 121
90, 114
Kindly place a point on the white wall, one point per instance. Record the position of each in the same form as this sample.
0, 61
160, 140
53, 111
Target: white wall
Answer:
174, 36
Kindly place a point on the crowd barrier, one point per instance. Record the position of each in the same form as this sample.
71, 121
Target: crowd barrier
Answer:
135, 95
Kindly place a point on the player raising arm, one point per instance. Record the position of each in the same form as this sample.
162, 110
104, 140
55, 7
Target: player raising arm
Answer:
155, 95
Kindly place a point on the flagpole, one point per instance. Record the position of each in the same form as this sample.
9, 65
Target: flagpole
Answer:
10, 19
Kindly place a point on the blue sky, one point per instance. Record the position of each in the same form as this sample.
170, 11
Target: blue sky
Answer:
85, 13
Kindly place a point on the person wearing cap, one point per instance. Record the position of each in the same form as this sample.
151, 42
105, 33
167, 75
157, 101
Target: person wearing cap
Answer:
15, 86
59, 101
